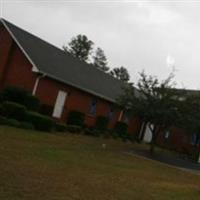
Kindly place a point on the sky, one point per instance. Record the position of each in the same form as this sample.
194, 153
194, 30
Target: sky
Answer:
155, 36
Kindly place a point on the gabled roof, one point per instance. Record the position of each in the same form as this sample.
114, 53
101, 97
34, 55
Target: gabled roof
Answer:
56, 64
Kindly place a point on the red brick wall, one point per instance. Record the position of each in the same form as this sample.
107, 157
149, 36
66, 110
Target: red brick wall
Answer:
76, 100
179, 140
19, 71
5, 48
15, 69
134, 125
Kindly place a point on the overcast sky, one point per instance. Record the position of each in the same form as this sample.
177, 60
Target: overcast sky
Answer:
136, 34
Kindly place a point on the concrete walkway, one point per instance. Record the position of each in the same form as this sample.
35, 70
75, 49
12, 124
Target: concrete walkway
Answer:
170, 160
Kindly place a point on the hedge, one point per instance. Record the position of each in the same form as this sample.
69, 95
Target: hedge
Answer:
26, 125
20, 96
13, 122
13, 110
9, 122
46, 109
121, 129
3, 120
32, 103
40, 122
92, 132
74, 128
15, 94
101, 123
76, 118
60, 127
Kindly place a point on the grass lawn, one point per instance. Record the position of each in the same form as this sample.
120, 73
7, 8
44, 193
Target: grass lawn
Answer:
36, 165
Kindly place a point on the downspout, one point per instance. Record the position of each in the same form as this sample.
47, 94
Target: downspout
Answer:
142, 131
198, 156
37, 83
120, 115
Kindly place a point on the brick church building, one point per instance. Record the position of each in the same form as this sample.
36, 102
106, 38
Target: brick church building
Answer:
59, 80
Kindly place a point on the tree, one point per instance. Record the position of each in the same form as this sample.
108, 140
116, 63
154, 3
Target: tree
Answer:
80, 47
120, 73
157, 103
100, 60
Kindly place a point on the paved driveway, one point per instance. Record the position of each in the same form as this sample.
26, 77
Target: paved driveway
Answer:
171, 160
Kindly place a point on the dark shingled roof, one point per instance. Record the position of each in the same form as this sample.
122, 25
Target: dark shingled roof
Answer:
55, 63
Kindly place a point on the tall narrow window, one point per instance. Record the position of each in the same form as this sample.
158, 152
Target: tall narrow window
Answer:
93, 107
195, 139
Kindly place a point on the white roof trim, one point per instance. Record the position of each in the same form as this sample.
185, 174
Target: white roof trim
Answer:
35, 69
19, 45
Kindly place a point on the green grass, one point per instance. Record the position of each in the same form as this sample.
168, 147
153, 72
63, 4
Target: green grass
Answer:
36, 165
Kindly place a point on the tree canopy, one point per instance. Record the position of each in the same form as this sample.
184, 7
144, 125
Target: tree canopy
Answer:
100, 60
80, 47
120, 73
156, 104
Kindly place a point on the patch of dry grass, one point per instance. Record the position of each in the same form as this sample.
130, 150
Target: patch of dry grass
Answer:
36, 165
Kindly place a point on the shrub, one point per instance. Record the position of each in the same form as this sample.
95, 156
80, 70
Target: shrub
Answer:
20, 96
74, 128
107, 134
92, 132
133, 137
9, 122
114, 135
32, 103
15, 94
15, 123
46, 109
1, 109
76, 118
3, 120
26, 125
40, 122
13, 110
12, 122
121, 129
60, 127
101, 123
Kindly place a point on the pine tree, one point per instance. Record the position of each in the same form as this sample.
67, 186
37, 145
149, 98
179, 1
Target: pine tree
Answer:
100, 60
